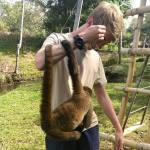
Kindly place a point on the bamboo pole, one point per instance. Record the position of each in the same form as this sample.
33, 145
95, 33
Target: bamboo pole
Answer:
128, 143
131, 65
134, 90
148, 133
137, 51
135, 11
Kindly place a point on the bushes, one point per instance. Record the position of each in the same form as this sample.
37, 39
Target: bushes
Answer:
9, 41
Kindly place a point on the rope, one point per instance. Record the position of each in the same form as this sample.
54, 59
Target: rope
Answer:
69, 16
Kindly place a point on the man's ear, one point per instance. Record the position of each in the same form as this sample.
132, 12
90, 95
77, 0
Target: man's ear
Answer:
90, 20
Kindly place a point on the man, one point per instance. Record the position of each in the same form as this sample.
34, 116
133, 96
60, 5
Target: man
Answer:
103, 26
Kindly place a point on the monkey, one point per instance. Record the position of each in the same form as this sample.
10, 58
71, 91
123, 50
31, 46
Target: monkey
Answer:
75, 113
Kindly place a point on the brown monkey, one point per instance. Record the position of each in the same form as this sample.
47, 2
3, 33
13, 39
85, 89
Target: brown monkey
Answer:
67, 118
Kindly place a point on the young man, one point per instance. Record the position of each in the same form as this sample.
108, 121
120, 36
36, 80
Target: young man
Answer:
103, 26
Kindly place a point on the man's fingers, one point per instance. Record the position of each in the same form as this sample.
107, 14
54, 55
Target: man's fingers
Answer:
101, 27
101, 38
102, 30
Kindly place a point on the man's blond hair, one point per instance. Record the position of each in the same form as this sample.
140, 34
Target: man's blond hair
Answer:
110, 15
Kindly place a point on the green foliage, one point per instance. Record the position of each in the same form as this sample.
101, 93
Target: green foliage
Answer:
27, 68
145, 30
112, 47
64, 14
8, 43
57, 14
127, 39
10, 19
10, 16
123, 4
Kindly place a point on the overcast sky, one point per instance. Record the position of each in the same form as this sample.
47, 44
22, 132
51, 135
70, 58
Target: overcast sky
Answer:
136, 3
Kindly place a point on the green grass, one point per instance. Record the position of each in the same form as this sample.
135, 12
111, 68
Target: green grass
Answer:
27, 68
19, 112
19, 118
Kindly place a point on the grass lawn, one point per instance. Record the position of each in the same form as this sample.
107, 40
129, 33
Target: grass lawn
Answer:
19, 118
27, 68
19, 112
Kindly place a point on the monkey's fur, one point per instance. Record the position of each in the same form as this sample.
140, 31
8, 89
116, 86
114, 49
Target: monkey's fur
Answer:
63, 122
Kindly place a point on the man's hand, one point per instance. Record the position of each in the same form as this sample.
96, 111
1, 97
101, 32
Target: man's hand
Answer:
118, 140
93, 33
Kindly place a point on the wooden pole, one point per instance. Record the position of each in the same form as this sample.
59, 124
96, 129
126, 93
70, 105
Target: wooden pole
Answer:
119, 49
148, 133
137, 51
135, 11
78, 13
131, 65
134, 90
128, 143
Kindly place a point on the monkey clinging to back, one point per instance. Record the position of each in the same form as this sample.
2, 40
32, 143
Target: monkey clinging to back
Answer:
62, 122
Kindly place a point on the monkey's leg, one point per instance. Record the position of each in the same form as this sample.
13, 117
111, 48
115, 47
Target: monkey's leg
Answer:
64, 136
88, 118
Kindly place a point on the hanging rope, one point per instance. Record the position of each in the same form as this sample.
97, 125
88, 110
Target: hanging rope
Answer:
69, 17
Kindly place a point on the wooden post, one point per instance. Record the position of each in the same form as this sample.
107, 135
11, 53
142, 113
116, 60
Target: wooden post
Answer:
135, 11
128, 143
134, 90
131, 65
137, 51
148, 132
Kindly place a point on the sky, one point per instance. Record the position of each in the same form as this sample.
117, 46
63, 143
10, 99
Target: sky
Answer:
136, 3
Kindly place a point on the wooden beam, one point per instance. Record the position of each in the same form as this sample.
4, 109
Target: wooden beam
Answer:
128, 143
133, 128
132, 65
148, 133
134, 90
135, 11
135, 51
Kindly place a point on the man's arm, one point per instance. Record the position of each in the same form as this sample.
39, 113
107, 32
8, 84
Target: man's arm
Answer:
107, 106
57, 52
88, 34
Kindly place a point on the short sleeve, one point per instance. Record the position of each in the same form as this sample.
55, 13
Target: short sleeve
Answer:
51, 39
100, 76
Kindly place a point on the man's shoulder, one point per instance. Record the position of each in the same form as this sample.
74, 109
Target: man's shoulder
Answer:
59, 36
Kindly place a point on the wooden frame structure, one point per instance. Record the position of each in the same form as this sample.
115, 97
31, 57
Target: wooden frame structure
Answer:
132, 63
128, 143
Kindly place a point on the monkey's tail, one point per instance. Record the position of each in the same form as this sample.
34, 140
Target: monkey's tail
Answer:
45, 109
73, 67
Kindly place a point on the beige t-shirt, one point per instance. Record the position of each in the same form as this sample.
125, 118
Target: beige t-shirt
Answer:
91, 69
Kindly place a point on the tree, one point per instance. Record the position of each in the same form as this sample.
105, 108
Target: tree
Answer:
58, 12
11, 16
145, 32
